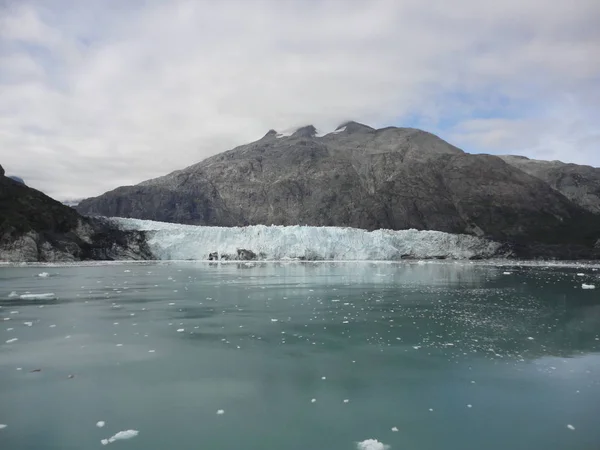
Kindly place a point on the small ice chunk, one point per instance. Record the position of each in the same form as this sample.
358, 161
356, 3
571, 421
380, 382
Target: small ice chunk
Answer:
507, 273
100, 424
469, 406
588, 286
394, 429
530, 338
13, 294
274, 320
371, 444
581, 274
314, 400
346, 400
10, 341
43, 275
28, 324
180, 330
323, 378
570, 427
121, 435
151, 351
220, 412
47, 296
2, 426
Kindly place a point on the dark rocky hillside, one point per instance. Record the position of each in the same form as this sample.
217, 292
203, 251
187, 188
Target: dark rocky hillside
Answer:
34, 227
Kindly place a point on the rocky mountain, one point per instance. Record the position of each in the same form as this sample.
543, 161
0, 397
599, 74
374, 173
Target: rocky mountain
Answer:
34, 227
17, 179
357, 176
580, 184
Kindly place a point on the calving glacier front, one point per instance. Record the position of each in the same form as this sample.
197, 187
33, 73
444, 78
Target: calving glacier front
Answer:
170, 241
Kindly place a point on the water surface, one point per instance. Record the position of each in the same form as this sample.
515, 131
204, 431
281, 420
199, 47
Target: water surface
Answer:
300, 356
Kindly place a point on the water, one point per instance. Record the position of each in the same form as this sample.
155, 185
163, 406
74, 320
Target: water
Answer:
161, 348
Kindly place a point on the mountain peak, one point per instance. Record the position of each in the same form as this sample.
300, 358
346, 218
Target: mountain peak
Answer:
354, 127
1, 171
307, 131
270, 133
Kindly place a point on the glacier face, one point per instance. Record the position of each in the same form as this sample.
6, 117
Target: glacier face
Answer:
169, 241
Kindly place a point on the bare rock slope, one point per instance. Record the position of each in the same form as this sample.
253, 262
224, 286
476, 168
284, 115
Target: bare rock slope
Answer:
357, 176
580, 184
34, 227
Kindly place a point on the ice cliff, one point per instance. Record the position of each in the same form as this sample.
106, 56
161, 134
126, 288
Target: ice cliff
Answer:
170, 241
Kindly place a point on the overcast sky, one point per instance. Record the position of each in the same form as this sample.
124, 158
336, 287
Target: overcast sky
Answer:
96, 94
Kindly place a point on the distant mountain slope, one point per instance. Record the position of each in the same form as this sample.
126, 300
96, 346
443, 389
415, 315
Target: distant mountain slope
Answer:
394, 178
34, 227
580, 184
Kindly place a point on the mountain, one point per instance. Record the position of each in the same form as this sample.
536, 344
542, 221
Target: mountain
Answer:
72, 202
34, 227
17, 179
580, 184
358, 176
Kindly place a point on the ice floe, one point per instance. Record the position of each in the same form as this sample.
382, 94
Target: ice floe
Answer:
121, 435
46, 296
371, 444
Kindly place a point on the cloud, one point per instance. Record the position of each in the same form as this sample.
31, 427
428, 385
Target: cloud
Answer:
104, 93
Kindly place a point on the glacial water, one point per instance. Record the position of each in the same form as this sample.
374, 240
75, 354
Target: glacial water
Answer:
299, 356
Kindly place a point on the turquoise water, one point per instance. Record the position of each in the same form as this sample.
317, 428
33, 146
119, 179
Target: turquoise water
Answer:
453, 356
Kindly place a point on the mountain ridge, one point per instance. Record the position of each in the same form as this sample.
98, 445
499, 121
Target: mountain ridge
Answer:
358, 176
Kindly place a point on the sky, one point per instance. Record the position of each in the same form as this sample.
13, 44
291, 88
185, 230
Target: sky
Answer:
97, 94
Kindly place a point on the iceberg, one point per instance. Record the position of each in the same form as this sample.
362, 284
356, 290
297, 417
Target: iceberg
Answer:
169, 241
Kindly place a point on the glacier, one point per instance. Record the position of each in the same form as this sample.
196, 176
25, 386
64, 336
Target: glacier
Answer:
169, 241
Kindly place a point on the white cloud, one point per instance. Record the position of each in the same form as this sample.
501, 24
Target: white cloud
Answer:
98, 94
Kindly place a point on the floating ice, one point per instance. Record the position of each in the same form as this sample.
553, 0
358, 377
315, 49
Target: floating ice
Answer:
170, 241
43, 275
588, 286
180, 330
314, 400
2, 426
48, 296
371, 444
507, 273
395, 429
346, 401
28, 324
570, 427
13, 294
121, 435
581, 274
220, 412
100, 424
10, 341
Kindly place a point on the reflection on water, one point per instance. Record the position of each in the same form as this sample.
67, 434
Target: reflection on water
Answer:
161, 347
